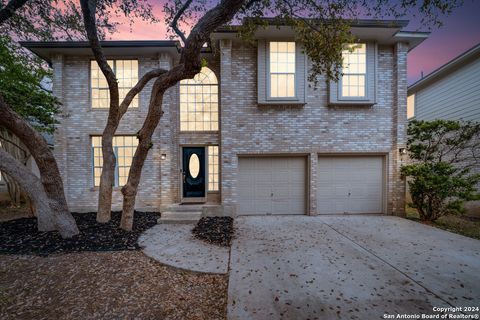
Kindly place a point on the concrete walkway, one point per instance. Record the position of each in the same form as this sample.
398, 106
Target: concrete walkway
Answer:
348, 267
174, 245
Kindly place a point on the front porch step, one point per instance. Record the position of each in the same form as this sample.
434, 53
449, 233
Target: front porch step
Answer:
186, 217
185, 207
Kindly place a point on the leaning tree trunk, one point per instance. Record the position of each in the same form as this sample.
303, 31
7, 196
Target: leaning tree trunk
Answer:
47, 165
188, 66
12, 145
130, 189
33, 187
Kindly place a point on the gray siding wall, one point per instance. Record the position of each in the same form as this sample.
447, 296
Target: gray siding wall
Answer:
454, 97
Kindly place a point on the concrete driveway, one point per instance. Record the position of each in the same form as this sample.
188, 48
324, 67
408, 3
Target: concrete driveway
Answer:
348, 267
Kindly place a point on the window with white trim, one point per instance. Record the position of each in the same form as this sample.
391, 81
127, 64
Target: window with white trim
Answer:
213, 168
282, 69
354, 71
124, 148
126, 72
199, 102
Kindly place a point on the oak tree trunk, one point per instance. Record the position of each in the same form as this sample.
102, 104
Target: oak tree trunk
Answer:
107, 179
33, 187
12, 145
104, 211
130, 189
188, 66
47, 165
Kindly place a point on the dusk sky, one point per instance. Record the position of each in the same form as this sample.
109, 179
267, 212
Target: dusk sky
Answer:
460, 31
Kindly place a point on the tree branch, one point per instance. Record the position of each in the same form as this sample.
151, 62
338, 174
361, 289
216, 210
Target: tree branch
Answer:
15, 145
88, 10
8, 11
219, 15
139, 87
174, 23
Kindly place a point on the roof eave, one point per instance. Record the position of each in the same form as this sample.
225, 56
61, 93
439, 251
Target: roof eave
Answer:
445, 69
45, 49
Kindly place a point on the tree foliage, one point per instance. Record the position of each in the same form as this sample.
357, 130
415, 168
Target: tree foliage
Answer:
443, 172
62, 19
22, 87
321, 27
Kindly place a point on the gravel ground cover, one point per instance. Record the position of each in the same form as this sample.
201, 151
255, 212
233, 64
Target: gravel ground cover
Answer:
106, 285
20, 236
216, 230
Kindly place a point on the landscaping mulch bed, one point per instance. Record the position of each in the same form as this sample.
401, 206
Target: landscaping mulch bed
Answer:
216, 230
106, 285
21, 236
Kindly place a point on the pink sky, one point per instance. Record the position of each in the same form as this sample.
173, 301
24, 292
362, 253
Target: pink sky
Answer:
460, 32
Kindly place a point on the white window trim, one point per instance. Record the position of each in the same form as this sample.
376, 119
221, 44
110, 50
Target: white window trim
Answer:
365, 97
268, 74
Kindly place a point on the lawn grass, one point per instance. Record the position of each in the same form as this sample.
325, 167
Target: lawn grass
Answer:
469, 227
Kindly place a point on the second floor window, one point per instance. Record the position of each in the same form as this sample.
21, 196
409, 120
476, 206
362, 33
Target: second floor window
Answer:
354, 70
199, 102
282, 69
126, 72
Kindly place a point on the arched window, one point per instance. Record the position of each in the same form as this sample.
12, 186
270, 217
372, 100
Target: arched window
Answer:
199, 102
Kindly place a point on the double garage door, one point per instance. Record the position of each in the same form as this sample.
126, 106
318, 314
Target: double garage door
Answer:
278, 185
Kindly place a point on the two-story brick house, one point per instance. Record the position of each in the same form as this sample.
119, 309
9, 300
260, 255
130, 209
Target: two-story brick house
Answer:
249, 133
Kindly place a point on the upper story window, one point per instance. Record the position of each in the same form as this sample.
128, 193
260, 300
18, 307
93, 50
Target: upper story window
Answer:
282, 69
126, 72
124, 148
354, 71
199, 102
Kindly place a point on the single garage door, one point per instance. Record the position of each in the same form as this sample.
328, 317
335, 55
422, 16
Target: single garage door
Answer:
350, 184
271, 185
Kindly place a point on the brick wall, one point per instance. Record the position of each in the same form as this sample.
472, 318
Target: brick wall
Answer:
79, 122
246, 128
314, 128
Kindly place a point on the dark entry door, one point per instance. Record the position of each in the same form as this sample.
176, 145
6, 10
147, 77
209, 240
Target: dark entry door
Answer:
193, 172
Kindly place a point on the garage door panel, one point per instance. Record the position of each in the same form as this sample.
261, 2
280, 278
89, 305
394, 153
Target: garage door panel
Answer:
350, 184
262, 192
247, 206
279, 185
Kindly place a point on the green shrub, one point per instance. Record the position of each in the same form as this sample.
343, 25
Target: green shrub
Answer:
444, 155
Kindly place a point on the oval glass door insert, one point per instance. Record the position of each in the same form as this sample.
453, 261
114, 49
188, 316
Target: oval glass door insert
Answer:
194, 165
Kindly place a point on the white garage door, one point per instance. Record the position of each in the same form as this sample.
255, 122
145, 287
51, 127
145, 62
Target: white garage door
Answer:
350, 185
271, 185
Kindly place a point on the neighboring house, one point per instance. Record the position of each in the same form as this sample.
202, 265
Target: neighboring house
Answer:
249, 133
451, 92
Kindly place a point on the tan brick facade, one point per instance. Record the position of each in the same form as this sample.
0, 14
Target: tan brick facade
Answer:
245, 128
